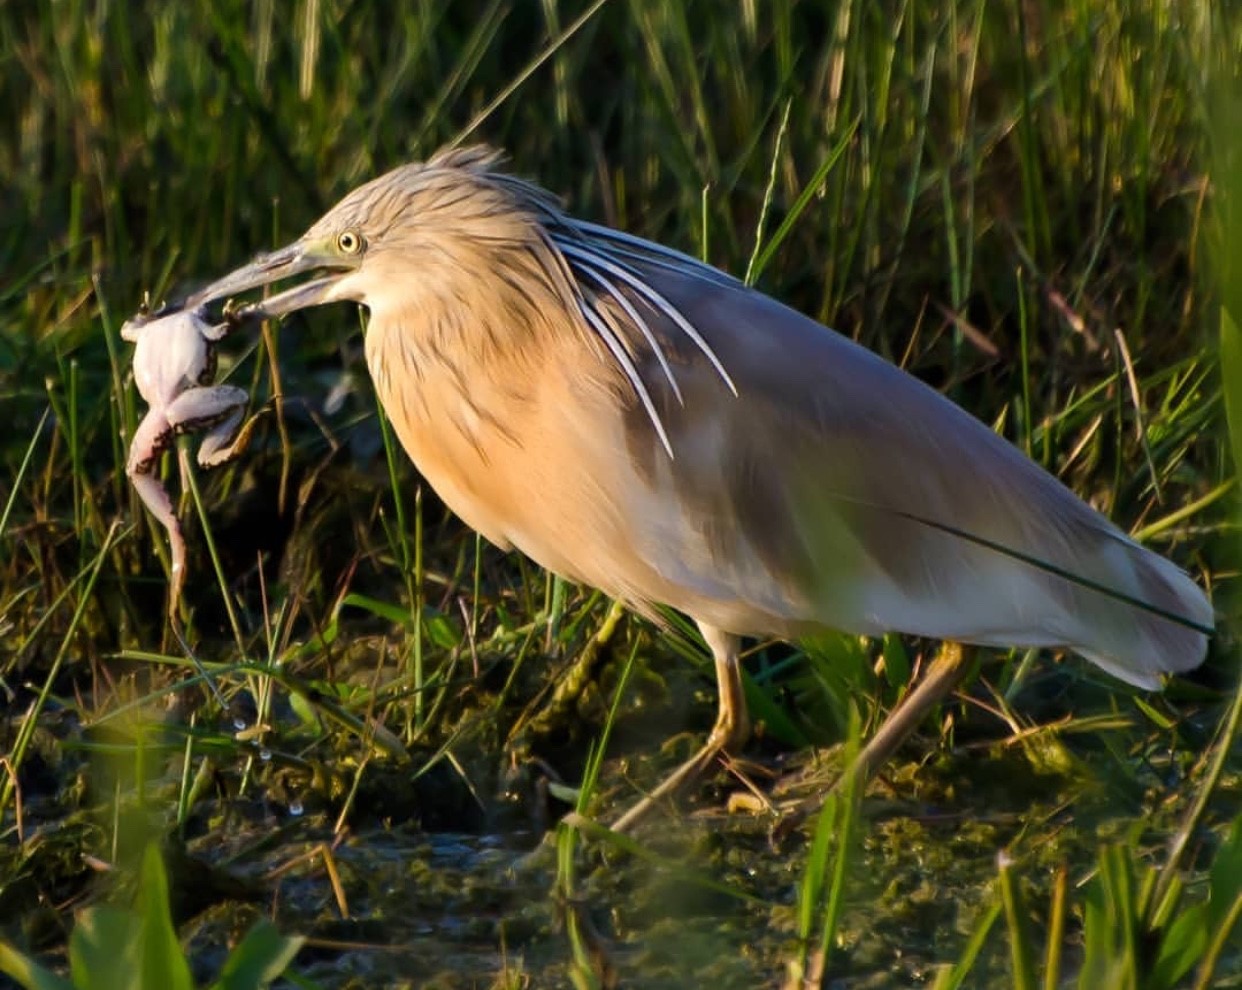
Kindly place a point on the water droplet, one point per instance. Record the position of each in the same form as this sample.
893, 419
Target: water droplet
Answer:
295, 808
265, 754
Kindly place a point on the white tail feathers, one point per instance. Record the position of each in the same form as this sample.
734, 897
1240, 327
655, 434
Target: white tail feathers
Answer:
1139, 644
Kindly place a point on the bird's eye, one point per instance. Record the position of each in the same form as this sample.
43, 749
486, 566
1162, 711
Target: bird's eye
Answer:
349, 242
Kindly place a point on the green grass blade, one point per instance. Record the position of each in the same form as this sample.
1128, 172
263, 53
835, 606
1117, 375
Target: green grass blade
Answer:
1021, 949
21, 472
163, 962
755, 270
261, 957
954, 977
24, 970
106, 949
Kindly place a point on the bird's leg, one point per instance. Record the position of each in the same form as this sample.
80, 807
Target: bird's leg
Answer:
945, 672
730, 732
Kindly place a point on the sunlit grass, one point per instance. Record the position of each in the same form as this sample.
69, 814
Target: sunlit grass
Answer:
1016, 201
138, 948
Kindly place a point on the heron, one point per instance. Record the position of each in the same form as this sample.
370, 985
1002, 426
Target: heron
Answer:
638, 421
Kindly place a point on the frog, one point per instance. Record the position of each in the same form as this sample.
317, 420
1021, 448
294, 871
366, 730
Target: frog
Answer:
174, 367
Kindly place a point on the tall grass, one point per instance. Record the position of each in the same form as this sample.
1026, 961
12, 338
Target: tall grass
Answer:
1011, 199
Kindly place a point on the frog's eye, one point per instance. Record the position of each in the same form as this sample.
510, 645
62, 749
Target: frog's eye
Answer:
349, 242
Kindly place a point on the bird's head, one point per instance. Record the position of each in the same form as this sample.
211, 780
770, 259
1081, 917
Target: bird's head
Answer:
392, 234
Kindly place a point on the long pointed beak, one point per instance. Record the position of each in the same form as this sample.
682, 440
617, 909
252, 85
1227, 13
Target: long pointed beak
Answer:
298, 258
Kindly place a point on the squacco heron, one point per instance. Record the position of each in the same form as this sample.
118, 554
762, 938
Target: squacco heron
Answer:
635, 420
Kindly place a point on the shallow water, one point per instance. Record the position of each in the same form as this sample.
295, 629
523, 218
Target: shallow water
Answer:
460, 909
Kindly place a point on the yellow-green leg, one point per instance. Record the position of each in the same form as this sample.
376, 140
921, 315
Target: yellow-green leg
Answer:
944, 673
729, 734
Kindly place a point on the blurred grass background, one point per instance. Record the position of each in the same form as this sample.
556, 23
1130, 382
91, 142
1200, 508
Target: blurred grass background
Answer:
1016, 200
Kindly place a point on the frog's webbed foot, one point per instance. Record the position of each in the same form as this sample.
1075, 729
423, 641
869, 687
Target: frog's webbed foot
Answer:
233, 315
228, 441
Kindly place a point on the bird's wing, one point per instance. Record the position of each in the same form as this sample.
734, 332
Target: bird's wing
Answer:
834, 488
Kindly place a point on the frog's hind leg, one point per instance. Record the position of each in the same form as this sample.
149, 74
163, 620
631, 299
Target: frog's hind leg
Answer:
216, 411
158, 502
150, 440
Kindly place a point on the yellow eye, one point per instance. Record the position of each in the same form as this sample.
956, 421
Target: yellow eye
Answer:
349, 242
